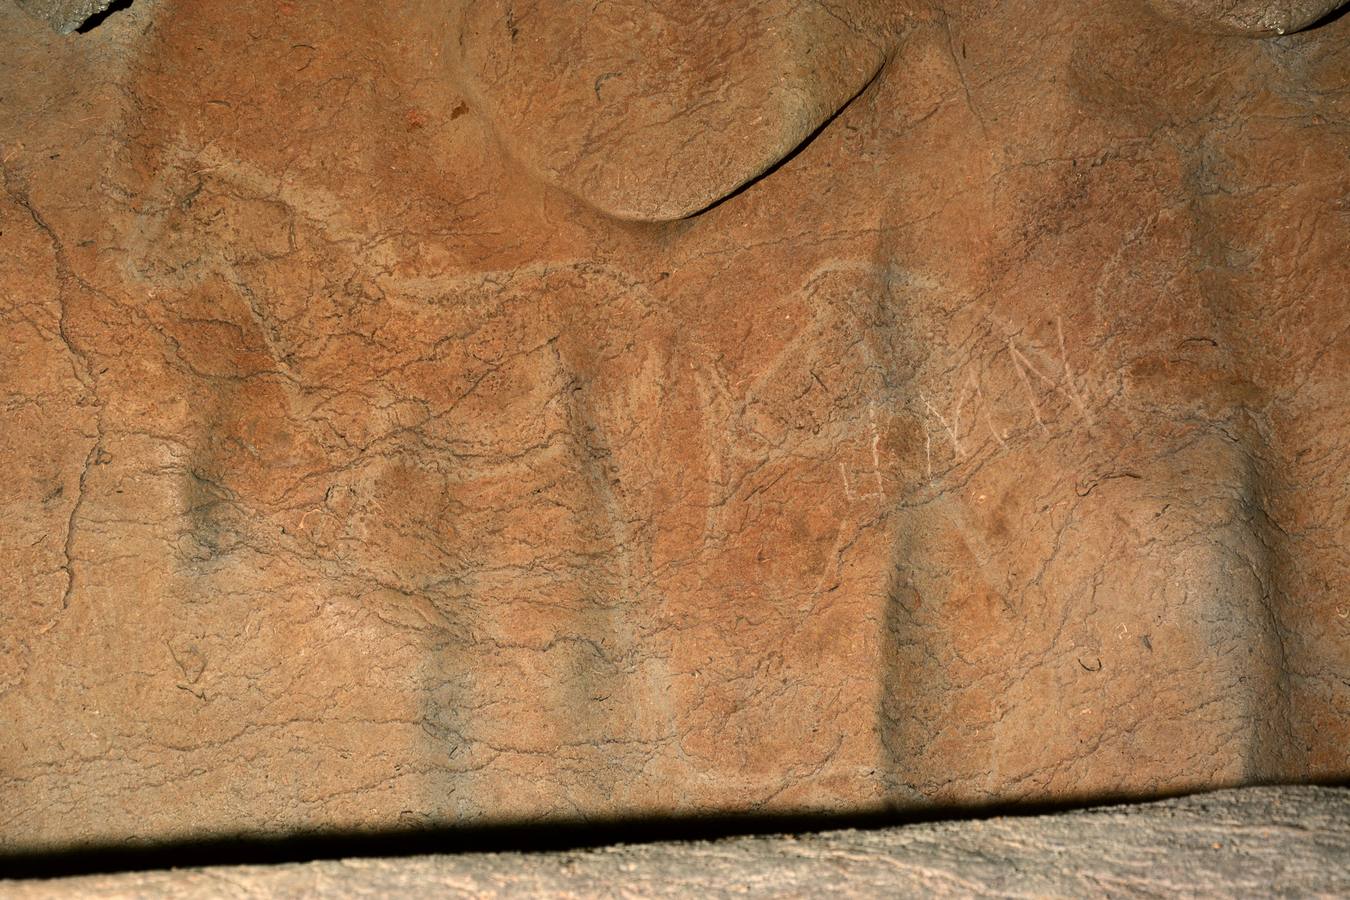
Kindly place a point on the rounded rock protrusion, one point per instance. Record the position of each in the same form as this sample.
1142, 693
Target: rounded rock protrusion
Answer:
655, 111
1257, 18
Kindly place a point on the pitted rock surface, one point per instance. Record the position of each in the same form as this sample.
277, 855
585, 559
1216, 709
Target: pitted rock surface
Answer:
408, 422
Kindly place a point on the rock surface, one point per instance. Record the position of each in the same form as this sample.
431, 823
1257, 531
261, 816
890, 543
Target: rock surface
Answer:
65, 15
1253, 17
387, 439
1291, 842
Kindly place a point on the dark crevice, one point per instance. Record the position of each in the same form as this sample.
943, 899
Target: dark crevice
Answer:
99, 18
794, 152
556, 836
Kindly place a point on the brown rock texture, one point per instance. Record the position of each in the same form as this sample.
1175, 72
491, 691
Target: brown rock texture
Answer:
519, 412
1253, 842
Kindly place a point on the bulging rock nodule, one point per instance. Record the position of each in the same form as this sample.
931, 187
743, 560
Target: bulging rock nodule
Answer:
1252, 17
65, 16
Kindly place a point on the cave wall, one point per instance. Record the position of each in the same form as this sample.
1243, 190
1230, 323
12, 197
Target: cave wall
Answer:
528, 412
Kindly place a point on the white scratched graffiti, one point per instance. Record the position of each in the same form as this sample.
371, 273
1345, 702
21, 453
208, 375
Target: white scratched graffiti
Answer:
971, 418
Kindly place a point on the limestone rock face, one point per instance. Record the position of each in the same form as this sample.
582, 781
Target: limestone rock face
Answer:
1290, 841
1253, 17
656, 110
495, 412
65, 15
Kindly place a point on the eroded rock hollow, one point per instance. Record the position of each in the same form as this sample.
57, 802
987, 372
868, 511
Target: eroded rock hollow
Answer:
536, 411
